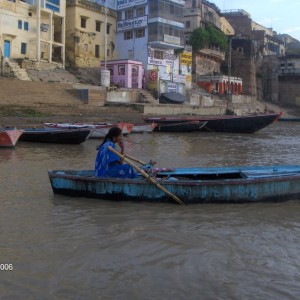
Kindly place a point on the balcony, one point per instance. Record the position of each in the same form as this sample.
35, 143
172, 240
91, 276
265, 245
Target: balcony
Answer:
213, 52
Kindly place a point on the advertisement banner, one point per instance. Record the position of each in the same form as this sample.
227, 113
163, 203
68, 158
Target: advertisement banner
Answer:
167, 57
152, 78
186, 58
132, 23
121, 4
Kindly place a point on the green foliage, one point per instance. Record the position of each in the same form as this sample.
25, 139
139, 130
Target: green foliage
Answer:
202, 37
217, 37
199, 38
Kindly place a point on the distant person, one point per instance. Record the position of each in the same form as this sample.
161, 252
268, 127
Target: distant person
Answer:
109, 164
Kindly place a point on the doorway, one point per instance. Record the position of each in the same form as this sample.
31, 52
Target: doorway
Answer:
6, 48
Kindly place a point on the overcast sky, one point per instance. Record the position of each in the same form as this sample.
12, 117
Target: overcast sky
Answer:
282, 15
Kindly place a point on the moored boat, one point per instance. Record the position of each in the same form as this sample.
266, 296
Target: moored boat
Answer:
99, 129
289, 119
60, 136
9, 137
191, 185
144, 127
172, 98
233, 124
188, 126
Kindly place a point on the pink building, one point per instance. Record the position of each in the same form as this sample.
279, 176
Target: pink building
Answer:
125, 73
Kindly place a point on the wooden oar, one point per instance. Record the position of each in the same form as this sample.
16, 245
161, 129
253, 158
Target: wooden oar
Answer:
135, 159
147, 176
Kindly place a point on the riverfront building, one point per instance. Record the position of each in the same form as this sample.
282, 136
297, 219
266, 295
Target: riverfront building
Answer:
33, 30
152, 32
86, 33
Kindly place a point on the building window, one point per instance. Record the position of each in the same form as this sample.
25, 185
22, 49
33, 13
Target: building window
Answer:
83, 22
129, 14
121, 69
172, 9
140, 11
111, 69
108, 28
128, 35
130, 54
107, 52
97, 51
98, 26
139, 33
188, 24
26, 26
158, 54
23, 48
19, 24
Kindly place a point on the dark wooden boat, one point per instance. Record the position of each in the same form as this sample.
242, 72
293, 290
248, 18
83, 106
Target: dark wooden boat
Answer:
172, 98
60, 136
191, 185
188, 126
234, 124
289, 119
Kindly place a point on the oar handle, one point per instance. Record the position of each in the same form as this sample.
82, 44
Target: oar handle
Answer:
147, 176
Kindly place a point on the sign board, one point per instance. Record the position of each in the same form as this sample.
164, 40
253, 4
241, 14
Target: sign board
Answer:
132, 23
166, 59
121, 4
186, 58
171, 87
169, 39
44, 27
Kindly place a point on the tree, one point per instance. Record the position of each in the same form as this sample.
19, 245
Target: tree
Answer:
199, 38
202, 37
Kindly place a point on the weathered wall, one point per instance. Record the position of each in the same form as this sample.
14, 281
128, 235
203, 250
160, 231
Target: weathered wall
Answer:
289, 90
243, 64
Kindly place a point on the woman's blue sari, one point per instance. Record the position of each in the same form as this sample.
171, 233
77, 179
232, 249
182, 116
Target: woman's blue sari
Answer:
107, 164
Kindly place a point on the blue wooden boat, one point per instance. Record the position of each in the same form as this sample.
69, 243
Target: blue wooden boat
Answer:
234, 124
59, 136
191, 185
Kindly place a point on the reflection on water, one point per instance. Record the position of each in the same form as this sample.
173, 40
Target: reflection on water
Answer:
77, 248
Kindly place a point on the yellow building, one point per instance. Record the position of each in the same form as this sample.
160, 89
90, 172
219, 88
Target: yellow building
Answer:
226, 27
86, 33
19, 37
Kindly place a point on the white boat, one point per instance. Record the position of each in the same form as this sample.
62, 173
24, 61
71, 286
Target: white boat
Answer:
100, 130
141, 128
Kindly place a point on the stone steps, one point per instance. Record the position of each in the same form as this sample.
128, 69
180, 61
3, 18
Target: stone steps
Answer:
37, 93
19, 73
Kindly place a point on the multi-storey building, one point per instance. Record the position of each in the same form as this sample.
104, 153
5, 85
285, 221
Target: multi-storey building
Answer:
207, 61
243, 25
33, 31
89, 26
150, 32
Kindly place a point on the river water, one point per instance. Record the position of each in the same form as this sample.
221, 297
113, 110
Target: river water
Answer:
76, 248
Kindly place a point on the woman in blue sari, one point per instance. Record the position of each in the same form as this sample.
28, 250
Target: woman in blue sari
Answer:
108, 164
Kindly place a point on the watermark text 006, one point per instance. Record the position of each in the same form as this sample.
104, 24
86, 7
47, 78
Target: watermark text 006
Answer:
6, 267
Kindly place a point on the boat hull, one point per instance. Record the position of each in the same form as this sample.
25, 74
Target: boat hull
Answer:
65, 136
9, 137
180, 127
100, 130
231, 124
141, 128
218, 185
